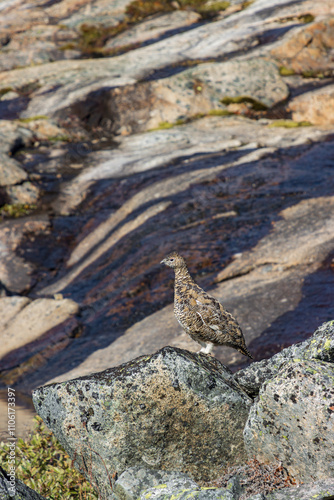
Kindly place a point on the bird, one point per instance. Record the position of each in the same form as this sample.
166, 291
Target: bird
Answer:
200, 314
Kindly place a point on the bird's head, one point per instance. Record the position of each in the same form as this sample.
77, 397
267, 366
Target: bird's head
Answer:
174, 260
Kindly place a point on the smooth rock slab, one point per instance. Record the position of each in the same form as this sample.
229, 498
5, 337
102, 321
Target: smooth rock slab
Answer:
33, 320
172, 410
293, 420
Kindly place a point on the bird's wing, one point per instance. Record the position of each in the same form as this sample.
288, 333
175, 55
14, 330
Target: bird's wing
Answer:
214, 316
209, 310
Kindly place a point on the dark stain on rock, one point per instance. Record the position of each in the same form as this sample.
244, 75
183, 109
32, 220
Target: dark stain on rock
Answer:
96, 426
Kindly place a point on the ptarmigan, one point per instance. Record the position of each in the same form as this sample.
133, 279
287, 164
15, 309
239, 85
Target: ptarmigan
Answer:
200, 314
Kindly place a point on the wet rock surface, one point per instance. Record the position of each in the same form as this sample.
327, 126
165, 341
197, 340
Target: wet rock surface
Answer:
244, 192
172, 410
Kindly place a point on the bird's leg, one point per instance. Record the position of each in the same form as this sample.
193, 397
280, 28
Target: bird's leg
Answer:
206, 347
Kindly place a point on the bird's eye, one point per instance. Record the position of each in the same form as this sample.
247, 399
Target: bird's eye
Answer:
171, 260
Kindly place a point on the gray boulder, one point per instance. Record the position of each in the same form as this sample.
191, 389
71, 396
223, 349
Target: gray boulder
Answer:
172, 410
138, 483
319, 346
18, 492
292, 421
319, 490
137, 480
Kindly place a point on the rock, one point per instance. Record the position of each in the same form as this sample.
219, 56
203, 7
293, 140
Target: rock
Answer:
15, 271
16, 491
292, 421
319, 489
316, 106
32, 320
55, 85
320, 346
13, 136
140, 484
38, 45
10, 171
189, 416
153, 28
100, 12
279, 249
135, 481
197, 90
27, 192
309, 49
10, 307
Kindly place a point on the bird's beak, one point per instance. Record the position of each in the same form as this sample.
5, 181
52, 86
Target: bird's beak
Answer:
163, 261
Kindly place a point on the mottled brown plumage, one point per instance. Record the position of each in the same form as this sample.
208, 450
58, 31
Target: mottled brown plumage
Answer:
200, 314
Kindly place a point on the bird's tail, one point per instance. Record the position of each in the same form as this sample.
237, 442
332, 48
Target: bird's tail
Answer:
245, 352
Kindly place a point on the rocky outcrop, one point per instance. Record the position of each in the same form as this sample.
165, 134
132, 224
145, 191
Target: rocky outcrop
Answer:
309, 50
316, 107
318, 347
172, 410
293, 420
140, 484
160, 425
228, 179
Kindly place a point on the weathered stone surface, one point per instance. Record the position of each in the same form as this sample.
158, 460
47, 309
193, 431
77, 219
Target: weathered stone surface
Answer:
320, 346
10, 171
57, 83
309, 49
293, 420
21, 491
319, 489
316, 107
171, 410
153, 28
33, 320
198, 90
135, 481
10, 307
213, 188
279, 249
15, 271
27, 192
38, 45
13, 136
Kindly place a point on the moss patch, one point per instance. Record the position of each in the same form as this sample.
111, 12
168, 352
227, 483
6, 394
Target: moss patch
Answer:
256, 105
16, 210
33, 118
284, 71
289, 124
5, 90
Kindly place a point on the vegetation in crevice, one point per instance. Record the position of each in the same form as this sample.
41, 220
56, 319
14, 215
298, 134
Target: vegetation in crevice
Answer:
43, 465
